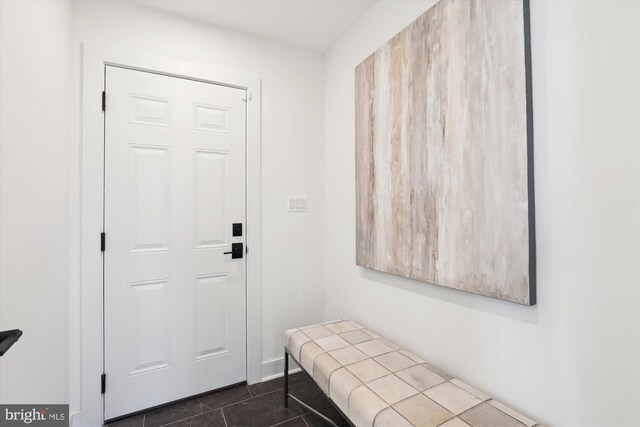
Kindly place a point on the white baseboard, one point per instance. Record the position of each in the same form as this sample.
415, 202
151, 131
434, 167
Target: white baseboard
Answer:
75, 418
274, 368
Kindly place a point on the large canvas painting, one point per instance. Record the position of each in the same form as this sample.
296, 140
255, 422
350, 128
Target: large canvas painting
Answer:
444, 163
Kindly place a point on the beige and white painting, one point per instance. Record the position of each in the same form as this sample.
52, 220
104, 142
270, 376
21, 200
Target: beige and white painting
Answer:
443, 193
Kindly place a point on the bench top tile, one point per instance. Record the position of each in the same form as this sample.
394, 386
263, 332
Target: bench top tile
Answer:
377, 383
422, 411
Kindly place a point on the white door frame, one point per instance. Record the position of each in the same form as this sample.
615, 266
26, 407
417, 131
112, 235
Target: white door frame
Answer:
94, 60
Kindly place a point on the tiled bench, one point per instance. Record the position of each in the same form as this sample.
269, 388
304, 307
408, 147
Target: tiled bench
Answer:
375, 383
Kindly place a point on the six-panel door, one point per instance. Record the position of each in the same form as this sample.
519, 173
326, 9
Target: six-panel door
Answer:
174, 185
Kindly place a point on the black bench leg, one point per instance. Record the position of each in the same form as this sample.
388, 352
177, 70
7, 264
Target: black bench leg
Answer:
286, 379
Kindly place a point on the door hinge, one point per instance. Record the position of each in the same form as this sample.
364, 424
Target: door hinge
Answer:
246, 96
246, 250
103, 238
104, 100
103, 383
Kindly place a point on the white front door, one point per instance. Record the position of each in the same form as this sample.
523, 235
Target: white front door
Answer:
174, 302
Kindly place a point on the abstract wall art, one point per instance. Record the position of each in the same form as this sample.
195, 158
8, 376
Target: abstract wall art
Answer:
444, 151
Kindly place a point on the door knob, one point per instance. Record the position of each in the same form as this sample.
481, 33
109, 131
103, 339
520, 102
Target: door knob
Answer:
237, 251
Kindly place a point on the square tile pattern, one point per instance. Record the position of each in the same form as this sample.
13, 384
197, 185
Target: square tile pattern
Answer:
256, 405
376, 383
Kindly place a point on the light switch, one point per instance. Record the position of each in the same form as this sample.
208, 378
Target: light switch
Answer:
296, 203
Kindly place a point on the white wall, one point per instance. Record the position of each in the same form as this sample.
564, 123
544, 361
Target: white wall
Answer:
292, 143
40, 168
35, 49
572, 360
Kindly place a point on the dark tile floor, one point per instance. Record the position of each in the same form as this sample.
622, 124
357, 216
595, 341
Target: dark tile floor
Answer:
257, 405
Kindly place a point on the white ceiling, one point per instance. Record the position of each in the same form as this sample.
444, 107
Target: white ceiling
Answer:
310, 24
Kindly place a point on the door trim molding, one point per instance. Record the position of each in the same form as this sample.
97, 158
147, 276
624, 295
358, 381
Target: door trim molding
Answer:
93, 62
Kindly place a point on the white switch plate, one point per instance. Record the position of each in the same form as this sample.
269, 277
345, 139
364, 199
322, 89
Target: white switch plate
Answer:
296, 203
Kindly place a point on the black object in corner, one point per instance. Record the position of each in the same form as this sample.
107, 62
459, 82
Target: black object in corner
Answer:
7, 339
